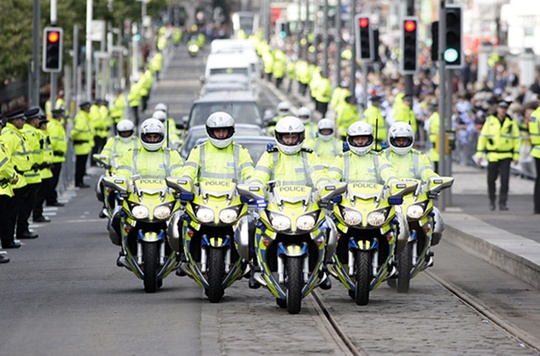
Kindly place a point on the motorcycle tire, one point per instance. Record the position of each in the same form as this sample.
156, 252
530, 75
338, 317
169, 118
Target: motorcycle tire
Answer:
150, 267
295, 284
362, 273
404, 268
282, 303
215, 274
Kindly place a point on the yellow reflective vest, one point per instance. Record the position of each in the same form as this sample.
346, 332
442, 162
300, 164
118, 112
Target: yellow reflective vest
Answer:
7, 172
33, 136
150, 164
17, 143
414, 164
534, 133
370, 168
82, 134
57, 135
499, 139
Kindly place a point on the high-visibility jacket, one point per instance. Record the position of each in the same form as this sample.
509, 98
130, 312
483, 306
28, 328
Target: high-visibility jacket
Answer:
302, 75
17, 143
99, 123
311, 130
403, 113
534, 133
338, 98
314, 81
118, 108
34, 148
302, 168
157, 62
7, 172
172, 140
434, 126
326, 150
207, 162
373, 167
57, 135
134, 96
116, 147
499, 140
345, 117
82, 134
414, 164
279, 64
150, 164
46, 155
268, 61
323, 93
291, 69
374, 117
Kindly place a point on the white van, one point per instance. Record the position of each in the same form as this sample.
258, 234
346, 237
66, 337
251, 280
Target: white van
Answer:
227, 63
234, 46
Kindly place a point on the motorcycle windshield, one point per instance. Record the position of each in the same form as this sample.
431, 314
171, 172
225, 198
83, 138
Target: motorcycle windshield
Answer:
292, 194
217, 188
365, 191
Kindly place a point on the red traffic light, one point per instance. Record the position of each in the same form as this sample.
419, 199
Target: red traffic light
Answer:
53, 36
363, 22
409, 25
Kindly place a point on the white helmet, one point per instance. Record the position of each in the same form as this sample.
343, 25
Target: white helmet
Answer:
326, 124
161, 107
125, 126
160, 115
284, 108
152, 126
304, 114
220, 120
360, 128
403, 130
289, 125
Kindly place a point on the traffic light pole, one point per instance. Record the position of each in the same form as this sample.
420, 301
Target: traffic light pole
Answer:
34, 94
353, 25
54, 83
443, 171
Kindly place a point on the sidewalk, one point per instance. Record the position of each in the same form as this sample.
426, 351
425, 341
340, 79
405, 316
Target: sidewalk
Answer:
509, 240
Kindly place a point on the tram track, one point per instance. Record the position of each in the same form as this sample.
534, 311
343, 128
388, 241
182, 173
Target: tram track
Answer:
477, 305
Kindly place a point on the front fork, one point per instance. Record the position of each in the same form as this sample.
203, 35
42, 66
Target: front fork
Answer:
285, 252
206, 244
365, 246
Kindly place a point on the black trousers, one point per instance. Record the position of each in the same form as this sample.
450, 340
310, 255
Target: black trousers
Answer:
537, 187
80, 168
4, 200
135, 110
41, 194
495, 169
51, 196
26, 208
99, 142
9, 218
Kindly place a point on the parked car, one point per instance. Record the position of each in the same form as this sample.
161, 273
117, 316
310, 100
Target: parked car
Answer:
199, 132
242, 106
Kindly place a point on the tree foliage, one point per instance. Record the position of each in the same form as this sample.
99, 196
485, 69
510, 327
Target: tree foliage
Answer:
16, 27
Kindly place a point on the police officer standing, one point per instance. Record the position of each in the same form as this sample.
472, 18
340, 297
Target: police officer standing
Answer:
45, 172
33, 176
534, 134
373, 116
500, 141
57, 135
8, 176
82, 136
16, 143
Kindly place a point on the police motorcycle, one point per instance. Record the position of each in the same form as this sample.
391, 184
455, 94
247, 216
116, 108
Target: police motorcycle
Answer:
415, 255
104, 194
368, 225
140, 227
290, 239
193, 46
205, 234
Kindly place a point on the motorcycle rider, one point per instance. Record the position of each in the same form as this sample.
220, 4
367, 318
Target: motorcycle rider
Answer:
117, 145
219, 157
360, 163
172, 139
304, 114
411, 163
326, 145
288, 163
150, 159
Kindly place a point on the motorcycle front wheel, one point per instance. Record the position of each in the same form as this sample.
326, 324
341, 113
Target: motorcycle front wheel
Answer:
362, 274
404, 268
215, 274
295, 283
150, 267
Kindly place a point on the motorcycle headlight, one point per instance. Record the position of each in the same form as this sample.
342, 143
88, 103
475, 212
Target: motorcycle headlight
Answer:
415, 211
162, 212
193, 47
228, 216
352, 217
280, 222
305, 222
140, 212
376, 218
205, 215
